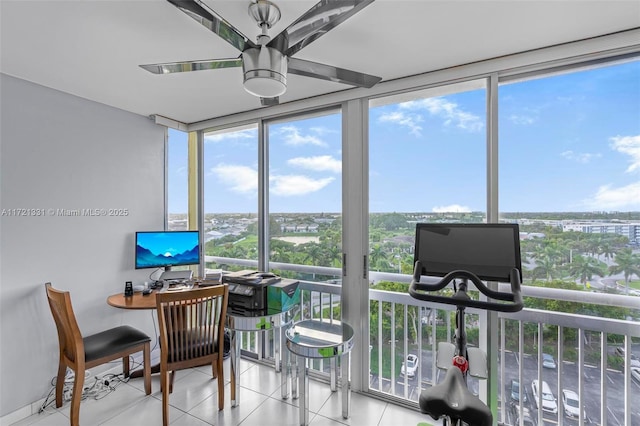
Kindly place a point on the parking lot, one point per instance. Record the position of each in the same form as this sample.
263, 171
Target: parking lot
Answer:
590, 393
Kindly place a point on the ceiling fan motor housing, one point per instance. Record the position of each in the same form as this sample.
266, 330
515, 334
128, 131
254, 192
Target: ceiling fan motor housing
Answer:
265, 72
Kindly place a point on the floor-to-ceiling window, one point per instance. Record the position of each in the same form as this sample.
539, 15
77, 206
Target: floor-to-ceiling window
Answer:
177, 180
305, 199
230, 198
570, 176
427, 163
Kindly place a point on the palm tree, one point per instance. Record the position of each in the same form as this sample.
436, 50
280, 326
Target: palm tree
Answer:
626, 263
377, 255
606, 249
545, 268
585, 268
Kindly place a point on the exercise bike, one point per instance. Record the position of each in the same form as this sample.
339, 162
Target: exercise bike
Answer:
451, 399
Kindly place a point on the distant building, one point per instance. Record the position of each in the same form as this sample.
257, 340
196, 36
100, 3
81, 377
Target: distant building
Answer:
629, 230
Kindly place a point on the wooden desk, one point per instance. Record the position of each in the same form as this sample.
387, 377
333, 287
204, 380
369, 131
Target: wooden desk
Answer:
137, 301
140, 301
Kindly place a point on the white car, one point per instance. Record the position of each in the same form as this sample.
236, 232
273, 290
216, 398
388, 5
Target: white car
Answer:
571, 404
409, 366
635, 373
548, 361
548, 400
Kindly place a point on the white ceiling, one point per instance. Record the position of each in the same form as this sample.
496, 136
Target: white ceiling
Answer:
92, 48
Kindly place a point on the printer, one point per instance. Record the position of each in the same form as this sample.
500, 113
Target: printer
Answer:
249, 291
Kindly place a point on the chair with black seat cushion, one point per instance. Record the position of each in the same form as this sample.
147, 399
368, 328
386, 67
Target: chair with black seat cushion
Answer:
81, 353
191, 326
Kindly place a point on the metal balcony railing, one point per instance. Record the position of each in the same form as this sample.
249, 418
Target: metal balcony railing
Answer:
591, 356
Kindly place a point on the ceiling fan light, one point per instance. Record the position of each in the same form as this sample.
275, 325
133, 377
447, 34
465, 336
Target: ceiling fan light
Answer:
265, 72
265, 86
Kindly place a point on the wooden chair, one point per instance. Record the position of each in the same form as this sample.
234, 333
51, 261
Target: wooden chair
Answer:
191, 326
81, 353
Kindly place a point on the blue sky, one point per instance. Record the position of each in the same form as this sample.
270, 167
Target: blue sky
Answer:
570, 142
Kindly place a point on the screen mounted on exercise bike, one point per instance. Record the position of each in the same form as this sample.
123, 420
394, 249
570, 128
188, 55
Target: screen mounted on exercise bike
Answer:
490, 251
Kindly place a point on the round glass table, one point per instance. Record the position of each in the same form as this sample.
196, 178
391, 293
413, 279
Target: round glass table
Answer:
262, 320
322, 339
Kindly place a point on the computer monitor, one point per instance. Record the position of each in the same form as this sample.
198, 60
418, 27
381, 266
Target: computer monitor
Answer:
164, 249
489, 250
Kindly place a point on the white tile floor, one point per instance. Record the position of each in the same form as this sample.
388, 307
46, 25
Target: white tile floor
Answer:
194, 403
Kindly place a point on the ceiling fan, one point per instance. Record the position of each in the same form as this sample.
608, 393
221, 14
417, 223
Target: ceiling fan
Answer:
266, 62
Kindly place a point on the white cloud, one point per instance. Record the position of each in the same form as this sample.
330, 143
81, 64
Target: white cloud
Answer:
522, 119
453, 208
629, 145
293, 137
580, 157
323, 130
290, 185
235, 136
408, 120
241, 179
244, 180
450, 111
622, 198
319, 163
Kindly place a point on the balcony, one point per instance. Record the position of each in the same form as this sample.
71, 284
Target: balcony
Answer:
589, 362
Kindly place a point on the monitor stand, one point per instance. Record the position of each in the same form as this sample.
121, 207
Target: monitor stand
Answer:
176, 275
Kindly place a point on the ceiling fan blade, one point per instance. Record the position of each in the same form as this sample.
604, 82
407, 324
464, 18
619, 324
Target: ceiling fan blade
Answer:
321, 18
331, 73
200, 12
269, 101
173, 67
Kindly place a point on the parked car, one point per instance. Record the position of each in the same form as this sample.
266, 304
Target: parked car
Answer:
635, 362
548, 400
527, 418
409, 366
515, 391
571, 404
548, 361
635, 373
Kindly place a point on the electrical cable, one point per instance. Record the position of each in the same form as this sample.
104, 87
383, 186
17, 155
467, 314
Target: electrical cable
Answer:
100, 387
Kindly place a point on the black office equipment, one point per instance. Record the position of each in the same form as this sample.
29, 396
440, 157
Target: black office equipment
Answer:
128, 289
251, 291
248, 289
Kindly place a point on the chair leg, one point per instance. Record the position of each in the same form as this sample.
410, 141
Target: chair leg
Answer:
220, 384
214, 370
164, 384
146, 355
78, 384
62, 371
171, 376
125, 366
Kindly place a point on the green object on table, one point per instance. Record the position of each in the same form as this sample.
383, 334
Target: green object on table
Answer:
263, 324
328, 352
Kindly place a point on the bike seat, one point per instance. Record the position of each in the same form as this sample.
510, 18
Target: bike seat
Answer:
452, 398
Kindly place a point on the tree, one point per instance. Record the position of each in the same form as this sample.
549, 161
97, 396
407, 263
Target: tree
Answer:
584, 268
626, 263
413, 320
545, 269
377, 256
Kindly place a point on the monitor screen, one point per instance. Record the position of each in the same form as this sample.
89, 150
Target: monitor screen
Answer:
490, 251
167, 248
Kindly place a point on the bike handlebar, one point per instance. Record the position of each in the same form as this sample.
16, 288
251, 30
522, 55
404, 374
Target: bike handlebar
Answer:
420, 291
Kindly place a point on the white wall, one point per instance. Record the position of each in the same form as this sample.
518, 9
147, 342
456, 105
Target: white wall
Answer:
58, 151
